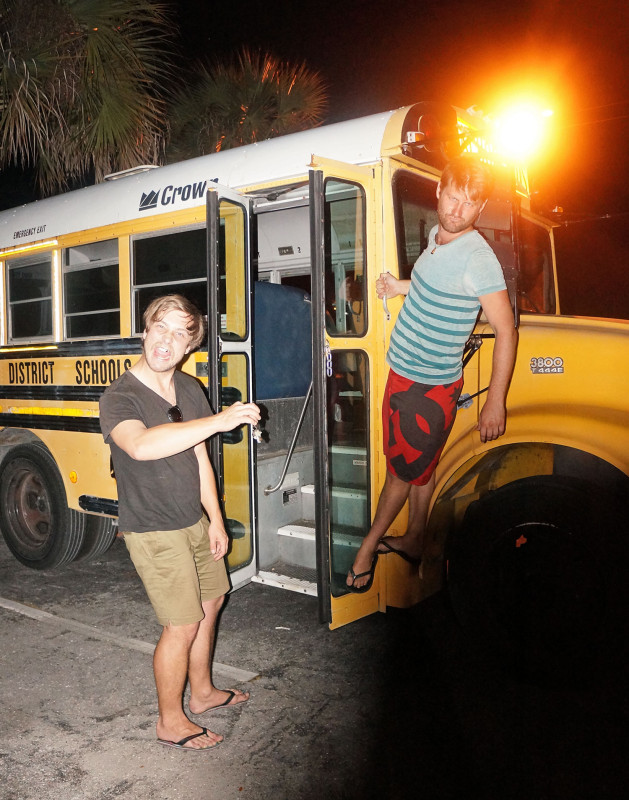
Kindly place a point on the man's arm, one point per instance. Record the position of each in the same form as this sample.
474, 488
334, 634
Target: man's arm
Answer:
149, 444
497, 309
219, 541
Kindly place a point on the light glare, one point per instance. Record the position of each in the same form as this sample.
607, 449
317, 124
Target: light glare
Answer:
519, 132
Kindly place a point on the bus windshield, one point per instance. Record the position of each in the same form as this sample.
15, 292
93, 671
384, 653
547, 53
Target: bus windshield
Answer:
592, 269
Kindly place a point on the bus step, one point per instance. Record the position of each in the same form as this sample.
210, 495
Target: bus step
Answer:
348, 465
289, 577
297, 544
349, 505
308, 501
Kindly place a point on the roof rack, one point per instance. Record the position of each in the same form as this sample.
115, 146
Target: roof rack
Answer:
126, 173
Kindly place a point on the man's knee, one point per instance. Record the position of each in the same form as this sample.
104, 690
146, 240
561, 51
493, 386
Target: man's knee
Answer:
393, 480
394, 486
213, 605
182, 633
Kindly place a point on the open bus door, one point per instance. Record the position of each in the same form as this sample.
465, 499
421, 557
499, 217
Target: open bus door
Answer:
230, 370
341, 201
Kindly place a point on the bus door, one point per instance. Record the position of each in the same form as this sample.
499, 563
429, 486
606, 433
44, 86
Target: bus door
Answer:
342, 247
230, 370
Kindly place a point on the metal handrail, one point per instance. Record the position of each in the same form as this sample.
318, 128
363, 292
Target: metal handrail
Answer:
289, 455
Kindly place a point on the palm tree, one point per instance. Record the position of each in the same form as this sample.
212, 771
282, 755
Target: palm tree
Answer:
254, 96
80, 86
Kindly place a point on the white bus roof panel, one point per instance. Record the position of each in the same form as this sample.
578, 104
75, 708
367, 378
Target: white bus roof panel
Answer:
183, 185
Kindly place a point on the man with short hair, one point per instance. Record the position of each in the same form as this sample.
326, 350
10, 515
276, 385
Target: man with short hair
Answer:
453, 278
156, 419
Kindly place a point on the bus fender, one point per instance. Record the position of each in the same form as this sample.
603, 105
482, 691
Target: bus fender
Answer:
12, 437
507, 464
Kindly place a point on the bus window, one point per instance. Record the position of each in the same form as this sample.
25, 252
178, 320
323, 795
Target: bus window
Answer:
172, 263
592, 276
90, 290
348, 441
236, 463
29, 284
415, 205
345, 259
536, 290
232, 272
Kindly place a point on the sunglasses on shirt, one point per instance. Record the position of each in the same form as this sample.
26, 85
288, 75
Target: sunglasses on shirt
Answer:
174, 414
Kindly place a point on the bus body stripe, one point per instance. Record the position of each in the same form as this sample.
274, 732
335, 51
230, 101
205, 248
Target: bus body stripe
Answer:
98, 347
50, 422
53, 393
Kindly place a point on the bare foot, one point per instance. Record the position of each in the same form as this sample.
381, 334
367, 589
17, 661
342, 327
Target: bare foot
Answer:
362, 563
405, 546
188, 736
218, 698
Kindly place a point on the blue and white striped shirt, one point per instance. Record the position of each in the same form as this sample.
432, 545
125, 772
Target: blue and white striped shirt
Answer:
441, 308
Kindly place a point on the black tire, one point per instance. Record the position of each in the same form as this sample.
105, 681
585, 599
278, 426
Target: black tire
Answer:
100, 534
535, 569
37, 525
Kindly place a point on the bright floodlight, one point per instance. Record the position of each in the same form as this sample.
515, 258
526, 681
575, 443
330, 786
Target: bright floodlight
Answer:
519, 132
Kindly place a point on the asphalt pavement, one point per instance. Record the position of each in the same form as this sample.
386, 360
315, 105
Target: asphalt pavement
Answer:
398, 705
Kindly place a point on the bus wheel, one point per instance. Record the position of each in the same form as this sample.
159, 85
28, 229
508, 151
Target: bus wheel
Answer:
37, 525
100, 534
532, 570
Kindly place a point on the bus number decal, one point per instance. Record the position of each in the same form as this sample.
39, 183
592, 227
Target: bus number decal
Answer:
546, 365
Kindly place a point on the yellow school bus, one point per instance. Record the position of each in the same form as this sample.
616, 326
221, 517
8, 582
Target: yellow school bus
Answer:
280, 244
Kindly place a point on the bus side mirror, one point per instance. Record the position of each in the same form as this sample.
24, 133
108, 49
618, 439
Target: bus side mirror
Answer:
496, 215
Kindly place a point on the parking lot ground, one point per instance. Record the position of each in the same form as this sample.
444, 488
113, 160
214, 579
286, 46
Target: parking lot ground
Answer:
78, 700
394, 706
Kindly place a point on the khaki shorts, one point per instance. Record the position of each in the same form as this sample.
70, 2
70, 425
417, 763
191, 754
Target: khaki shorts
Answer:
178, 571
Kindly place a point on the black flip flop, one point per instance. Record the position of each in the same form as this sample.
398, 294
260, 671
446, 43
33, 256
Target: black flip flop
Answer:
399, 553
371, 572
230, 697
180, 745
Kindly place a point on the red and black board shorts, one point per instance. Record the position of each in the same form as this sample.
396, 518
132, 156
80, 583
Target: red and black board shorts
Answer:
416, 421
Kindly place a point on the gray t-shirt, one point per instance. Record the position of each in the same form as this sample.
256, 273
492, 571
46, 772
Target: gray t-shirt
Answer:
159, 495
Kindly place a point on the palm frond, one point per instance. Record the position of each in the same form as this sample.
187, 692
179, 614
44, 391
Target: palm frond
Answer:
82, 85
28, 103
253, 96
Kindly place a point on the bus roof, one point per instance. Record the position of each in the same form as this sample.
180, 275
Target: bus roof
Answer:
183, 185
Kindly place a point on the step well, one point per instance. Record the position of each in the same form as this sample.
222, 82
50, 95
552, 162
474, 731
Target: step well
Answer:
297, 544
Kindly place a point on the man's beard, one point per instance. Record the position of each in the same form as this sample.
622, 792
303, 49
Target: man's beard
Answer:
454, 227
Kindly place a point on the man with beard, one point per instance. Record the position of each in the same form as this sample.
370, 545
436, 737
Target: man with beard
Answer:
453, 278
156, 419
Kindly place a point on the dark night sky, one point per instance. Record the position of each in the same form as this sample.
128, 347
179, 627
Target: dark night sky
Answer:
380, 55
376, 55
